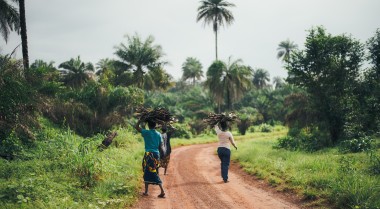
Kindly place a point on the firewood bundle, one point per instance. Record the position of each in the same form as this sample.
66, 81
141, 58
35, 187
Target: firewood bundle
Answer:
214, 118
159, 115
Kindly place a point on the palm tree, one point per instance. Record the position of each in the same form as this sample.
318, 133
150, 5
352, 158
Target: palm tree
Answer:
228, 81
285, 48
192, 69
77, 72
140, 56
260, 78
9, 19
278, 82
215, 12
24, 37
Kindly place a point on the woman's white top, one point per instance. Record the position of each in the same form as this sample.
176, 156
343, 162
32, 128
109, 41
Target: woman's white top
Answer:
223, 137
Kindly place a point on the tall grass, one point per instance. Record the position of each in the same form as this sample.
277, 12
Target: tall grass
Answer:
326, 177
64, 170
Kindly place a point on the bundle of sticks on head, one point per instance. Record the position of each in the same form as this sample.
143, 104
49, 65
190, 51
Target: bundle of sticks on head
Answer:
159, 115
214, 118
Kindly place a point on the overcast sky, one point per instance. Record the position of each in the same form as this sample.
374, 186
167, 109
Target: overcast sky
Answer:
62, 29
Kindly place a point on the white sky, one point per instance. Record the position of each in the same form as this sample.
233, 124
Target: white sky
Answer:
62, 29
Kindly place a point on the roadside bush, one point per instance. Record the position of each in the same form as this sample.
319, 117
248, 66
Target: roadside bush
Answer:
181, 131
356, 145
303, 139
10, 146
197, 127
265, 128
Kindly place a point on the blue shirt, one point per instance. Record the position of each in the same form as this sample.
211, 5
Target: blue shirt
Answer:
152, 139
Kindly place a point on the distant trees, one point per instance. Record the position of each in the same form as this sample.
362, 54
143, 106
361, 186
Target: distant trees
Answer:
285, 48
77, 72
139, 56
192, 69
261, 78
215, 12
228, 81
278, 82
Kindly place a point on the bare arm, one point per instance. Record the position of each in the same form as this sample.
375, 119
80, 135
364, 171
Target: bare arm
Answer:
137, 126
231, 138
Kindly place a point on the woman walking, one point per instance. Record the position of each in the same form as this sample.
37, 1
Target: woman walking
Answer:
225, 139
167, 149
151, 160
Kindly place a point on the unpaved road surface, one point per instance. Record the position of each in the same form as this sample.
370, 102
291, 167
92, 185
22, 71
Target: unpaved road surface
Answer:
193, 181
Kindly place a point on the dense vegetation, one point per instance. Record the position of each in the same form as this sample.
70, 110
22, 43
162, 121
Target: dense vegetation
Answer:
52, 118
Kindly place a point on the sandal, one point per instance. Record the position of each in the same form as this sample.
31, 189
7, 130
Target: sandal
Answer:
162, 195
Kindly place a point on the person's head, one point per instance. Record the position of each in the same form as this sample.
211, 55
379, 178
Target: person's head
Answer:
151, 124
164, 129
223, 125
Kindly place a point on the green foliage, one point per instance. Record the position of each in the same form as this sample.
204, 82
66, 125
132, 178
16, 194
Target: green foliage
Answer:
247, 116
140, 56
95, 108
18, 105
309, 140
192, 69
77, 73
265, 128
374, 166
325, 178
64, 170
356, 144
86, 165
227, 82
181, 131
11, 146
328, 69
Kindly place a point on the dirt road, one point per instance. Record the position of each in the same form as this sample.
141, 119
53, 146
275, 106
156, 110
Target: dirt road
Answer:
193, 181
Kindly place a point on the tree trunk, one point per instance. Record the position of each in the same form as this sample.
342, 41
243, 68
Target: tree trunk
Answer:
24, 39
216, 45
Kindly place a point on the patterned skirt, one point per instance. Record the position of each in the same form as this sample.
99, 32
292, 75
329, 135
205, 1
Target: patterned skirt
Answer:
150, 165
165, 161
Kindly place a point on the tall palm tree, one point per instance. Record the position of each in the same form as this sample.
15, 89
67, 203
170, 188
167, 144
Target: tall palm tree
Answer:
9, 19
24, 37
192, 69
215, 12
140, 56
260, 78
228, 81
285, 48
77, 72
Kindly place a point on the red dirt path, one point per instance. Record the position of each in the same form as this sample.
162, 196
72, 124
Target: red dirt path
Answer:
193, 181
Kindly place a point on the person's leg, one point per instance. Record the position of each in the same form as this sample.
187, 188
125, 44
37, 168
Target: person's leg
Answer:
220, 155
225, 158
146, 189
162, 195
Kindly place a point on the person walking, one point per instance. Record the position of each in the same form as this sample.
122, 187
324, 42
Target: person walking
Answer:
225, 139
167, 149
151, 160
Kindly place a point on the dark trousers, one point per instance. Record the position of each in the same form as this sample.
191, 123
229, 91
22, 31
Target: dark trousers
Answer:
224, 156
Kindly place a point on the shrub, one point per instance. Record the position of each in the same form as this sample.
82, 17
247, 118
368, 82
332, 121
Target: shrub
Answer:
181, 131
356, 145
303, 139
10, 146
265, 128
